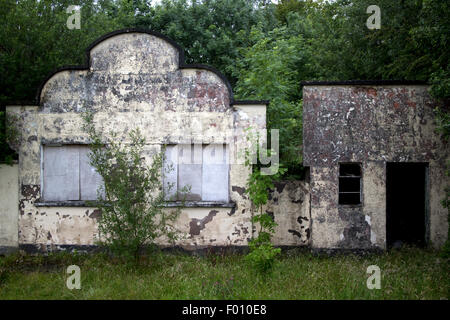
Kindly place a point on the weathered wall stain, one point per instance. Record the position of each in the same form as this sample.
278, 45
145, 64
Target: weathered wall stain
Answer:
196, 225
96, 214
239, 190
288, 205
29, 194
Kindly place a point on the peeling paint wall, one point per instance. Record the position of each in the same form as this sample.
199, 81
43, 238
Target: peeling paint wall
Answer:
134, 81
289, 206
371, 125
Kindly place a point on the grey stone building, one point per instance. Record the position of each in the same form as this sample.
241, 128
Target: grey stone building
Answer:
377, 165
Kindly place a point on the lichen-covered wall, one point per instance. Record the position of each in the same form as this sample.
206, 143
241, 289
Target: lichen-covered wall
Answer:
134, 80
371, 125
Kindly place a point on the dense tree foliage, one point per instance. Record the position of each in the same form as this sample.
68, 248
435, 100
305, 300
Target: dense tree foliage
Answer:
265, 49
330, 41
210, 31
35, 40
271, 69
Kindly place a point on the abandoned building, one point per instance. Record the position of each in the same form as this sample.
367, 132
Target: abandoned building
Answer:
376, 166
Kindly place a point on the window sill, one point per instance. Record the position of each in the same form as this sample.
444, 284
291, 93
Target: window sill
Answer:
67, 203
200, 204
351, 205
171, 204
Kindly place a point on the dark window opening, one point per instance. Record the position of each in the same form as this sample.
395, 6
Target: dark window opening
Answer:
406, 203
349, 183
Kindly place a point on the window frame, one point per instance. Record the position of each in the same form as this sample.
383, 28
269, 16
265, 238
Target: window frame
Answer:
76, 203
200, 203
360, 177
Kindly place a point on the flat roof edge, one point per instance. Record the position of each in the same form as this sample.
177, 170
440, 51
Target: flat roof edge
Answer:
244, 102
363, 82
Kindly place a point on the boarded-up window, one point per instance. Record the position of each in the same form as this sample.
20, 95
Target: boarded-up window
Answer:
67, 174
203, 168
349, 183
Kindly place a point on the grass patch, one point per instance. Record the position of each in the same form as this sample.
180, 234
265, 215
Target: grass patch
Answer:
409, 273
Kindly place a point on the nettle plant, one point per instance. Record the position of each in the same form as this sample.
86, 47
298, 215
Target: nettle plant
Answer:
131, 198
262, 254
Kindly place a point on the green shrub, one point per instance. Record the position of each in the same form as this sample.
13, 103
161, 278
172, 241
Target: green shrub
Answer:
263, 256
132, 197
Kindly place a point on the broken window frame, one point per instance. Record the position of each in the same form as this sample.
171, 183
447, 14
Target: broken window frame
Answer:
345, 200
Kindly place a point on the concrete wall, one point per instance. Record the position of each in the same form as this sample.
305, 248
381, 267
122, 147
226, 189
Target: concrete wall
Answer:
289, 205
371, 125
9, 198
134, 81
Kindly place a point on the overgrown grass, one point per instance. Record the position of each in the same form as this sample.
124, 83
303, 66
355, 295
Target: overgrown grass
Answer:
406, 274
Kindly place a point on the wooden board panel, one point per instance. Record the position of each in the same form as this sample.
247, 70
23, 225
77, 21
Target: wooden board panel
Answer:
61, 173
90, 179
215, 173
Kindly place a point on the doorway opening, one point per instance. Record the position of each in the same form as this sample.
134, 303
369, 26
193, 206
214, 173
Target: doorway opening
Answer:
406, 203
